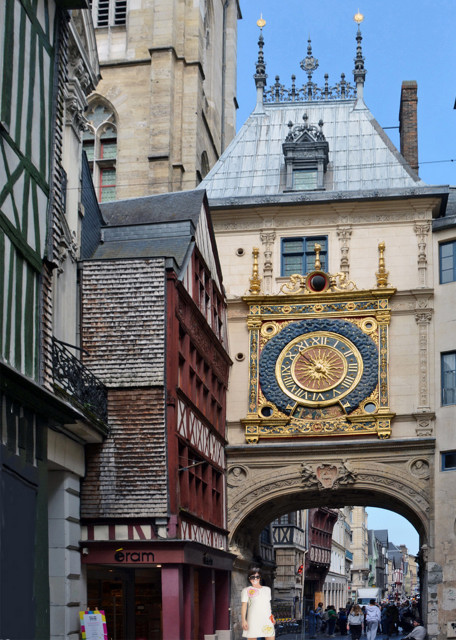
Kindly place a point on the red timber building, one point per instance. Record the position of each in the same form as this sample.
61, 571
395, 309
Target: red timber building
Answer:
153, 326
318, 558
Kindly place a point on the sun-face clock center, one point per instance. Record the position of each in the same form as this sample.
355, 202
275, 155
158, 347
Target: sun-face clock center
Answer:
318, 368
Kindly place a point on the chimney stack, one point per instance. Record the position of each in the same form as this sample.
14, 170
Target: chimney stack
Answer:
408, 124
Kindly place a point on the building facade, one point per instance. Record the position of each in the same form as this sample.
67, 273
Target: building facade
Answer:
165, 108
51, 406
290, 537
153, 327
337, 585
330, 220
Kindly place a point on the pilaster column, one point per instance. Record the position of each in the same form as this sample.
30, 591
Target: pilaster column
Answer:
422, 230
344, 235
423, 318
267, 238
253, 325
172, 601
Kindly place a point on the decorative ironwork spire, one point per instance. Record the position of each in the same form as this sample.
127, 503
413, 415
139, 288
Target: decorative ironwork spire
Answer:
255, 280
382, 273
359, 72
309, 65
260, 67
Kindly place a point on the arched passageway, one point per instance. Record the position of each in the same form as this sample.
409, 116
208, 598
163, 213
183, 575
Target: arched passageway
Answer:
266, 481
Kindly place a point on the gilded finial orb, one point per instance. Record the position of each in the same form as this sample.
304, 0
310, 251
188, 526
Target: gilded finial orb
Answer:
261, 22
358, 18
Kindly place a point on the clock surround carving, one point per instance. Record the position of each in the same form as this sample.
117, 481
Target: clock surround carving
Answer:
319, 359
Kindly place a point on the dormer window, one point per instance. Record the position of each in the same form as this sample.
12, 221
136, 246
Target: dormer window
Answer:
305, 179
306, 156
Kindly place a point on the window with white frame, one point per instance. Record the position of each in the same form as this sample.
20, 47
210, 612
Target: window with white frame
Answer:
100, 145
447, 261
109, 13
448, 381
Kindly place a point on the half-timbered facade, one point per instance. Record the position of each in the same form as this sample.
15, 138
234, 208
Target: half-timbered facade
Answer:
48, 66
153, 500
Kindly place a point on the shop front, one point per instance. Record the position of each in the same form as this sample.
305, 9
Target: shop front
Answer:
176, 590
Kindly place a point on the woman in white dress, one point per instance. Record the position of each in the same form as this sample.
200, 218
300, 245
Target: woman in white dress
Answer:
257, 619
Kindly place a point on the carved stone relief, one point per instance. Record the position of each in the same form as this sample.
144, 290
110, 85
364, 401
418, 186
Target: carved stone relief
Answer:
422, 232
267, 238
344, 235
419, 467
424, 424
327, 476
423, 318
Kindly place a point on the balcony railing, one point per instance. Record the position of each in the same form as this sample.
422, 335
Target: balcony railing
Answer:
267, 552
83, 389
289, 534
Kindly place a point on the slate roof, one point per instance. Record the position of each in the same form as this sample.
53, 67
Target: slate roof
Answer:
145, 241
362, 157
169, 207
382, 536
165, 226
155, 226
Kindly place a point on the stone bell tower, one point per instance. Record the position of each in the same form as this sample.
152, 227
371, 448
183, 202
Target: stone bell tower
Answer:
167, 99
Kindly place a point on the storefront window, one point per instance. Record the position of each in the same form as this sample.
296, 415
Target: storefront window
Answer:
131, 600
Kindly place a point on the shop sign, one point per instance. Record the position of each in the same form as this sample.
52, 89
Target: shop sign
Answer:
127, 557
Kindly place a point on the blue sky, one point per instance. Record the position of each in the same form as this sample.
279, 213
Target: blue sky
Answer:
402, 40
400, 531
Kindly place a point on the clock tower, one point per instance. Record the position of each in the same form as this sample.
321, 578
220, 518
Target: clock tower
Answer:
319, 357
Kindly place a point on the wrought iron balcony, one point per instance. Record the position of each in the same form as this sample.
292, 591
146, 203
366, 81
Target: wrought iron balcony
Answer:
83, 389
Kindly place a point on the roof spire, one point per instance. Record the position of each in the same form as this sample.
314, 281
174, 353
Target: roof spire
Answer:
359, 72
260, 67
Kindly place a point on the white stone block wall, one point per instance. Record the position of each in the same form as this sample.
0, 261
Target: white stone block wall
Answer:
64, 556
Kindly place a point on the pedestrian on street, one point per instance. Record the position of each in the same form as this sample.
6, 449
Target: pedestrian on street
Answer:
342, 621
418, 632
393, 613
355, 622
257, 619
385, 619
373, 617
332, 619
324, 620
318, 615
312, 623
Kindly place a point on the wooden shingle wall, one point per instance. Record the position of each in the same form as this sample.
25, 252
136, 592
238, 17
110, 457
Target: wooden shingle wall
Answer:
123, 329
123, 321
126, 475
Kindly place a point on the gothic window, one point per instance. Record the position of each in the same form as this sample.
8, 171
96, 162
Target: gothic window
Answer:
109, 13
449, 378
447, 257
100, 145
204, 164
298, 254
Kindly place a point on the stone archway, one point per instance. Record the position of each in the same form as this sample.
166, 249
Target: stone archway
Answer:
268, 480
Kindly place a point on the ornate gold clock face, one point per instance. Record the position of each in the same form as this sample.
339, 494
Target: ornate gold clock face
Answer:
319, 368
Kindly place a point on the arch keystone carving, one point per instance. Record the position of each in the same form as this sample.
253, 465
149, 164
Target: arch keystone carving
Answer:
328, 476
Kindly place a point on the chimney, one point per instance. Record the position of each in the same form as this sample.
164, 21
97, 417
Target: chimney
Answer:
408, 124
